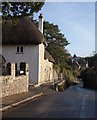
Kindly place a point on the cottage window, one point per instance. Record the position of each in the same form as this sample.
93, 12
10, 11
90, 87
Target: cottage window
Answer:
17, 49
20, 50
23, 68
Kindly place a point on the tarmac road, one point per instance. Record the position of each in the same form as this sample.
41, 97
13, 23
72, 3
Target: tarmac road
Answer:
74, 102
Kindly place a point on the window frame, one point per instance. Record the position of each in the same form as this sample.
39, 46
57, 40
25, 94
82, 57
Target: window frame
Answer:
19, 49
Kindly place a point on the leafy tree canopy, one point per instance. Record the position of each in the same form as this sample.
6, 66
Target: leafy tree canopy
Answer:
54, 35
92, 61
74, 56
19, 9
56, 44
95, 62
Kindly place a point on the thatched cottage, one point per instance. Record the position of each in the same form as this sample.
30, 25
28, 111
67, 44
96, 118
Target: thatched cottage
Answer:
23, 42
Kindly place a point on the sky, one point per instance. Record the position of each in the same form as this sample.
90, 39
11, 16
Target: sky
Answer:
76, 21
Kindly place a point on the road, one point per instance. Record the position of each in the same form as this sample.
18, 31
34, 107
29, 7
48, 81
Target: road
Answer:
74, 102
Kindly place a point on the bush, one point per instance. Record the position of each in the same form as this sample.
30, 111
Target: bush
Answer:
76, 73
61, 87
89, 78
70, 77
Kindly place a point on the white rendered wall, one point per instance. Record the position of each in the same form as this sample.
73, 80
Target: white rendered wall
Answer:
30, 56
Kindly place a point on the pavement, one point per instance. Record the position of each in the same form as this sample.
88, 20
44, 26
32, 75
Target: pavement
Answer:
34, 92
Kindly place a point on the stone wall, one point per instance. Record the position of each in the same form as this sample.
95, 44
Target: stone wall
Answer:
48, 71
14, 84
10, 86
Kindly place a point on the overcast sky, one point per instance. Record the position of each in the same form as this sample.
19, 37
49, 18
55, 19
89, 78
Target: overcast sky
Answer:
77, 21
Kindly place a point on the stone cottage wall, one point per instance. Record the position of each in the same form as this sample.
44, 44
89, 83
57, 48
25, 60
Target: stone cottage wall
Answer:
14, 84
48, 71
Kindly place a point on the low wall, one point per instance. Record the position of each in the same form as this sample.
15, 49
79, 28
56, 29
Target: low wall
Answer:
10, 86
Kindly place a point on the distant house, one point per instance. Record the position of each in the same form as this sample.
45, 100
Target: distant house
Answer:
83, 62
79, 63
76, 65
23, 42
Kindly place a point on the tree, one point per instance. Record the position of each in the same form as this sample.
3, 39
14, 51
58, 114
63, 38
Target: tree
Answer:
74, 56
91, 60
95, 63
89, 75
19, 9
56, 44
54, 35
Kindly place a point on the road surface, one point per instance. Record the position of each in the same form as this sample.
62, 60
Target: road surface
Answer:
74, 102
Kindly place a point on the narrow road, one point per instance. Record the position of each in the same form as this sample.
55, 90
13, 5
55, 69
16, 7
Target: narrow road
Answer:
74, 102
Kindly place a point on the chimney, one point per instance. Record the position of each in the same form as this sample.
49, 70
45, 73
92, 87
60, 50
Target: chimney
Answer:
40, 25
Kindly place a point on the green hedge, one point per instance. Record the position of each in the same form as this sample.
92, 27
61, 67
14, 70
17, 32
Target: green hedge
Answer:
89, 78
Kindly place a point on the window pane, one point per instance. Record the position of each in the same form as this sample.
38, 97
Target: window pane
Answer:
23, 68
18, 49
21, 48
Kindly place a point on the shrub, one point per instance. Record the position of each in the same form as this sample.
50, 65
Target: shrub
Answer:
89, 78
61, 87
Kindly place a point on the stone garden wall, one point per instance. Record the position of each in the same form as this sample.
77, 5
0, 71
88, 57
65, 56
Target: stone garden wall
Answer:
12, 84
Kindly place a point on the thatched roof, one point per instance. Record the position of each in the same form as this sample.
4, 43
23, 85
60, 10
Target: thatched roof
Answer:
22, 32
48, 56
